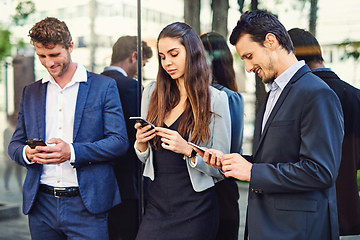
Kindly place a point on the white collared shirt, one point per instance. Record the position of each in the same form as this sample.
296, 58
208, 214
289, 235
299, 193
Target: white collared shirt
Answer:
277, 87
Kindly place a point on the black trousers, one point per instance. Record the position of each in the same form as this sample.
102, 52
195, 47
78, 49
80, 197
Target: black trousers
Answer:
123, 220
228, 196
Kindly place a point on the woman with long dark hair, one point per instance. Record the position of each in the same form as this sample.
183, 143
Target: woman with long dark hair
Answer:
182, 202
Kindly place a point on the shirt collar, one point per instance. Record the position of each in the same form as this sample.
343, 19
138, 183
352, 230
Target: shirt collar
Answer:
285, 77
116, 68
80, 75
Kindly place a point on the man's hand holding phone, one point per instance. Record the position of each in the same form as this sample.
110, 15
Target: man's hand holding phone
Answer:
58, 151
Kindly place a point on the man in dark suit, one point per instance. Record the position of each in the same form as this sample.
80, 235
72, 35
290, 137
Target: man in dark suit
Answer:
297, 140
123, 218
308, 49
70, 184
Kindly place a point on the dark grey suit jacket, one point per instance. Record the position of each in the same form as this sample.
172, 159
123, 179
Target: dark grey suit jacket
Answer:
296, 161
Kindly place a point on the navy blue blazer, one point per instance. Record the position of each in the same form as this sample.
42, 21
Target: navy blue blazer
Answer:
295, 163
99, 138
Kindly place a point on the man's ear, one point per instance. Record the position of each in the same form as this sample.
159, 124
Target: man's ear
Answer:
71, 47
271, 41
133, 57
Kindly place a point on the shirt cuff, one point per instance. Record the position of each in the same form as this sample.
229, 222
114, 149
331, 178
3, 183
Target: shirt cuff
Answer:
144, 154
193, 164
24, 156
72, 154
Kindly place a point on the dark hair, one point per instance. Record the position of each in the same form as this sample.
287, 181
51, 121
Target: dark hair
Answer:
306, 46
50, 31
166, 96
222, 62
125, 46
258, 24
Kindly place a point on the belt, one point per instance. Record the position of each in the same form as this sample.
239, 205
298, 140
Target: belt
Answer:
60, 192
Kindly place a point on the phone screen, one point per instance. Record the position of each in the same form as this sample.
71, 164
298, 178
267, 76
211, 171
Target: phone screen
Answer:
35, 142
143, 121
198, 147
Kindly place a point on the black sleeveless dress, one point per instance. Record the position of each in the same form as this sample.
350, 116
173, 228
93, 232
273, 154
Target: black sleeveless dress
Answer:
174, 210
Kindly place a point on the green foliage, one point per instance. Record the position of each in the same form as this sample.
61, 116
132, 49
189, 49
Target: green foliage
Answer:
5, 45
352, 49
23, 10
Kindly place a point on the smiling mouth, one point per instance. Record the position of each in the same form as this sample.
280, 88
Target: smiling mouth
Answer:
258, 71
53, 68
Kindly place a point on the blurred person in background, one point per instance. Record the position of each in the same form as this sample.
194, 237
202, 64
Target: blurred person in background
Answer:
10, 166
124, 218
221, 63
307, 48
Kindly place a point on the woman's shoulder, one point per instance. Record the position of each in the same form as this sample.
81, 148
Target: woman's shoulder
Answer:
230, 93
218, 98
149, 88
216, 94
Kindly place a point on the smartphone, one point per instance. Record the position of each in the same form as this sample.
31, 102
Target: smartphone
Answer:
143, 121
35, 142
198, 147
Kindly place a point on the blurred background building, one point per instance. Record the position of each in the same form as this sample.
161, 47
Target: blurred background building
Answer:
95, 25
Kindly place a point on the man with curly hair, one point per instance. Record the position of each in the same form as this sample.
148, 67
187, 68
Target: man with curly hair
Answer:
70, 184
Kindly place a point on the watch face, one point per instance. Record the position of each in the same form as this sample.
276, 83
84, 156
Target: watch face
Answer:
193, 153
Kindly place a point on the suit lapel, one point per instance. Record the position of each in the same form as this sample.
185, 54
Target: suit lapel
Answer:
82, 96
304, 69
258, 123
41, 112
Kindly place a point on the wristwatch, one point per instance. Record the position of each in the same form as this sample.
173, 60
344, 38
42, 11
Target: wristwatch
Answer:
193, 154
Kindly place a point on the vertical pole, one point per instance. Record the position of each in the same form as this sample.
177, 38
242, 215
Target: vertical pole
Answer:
6, 88
139, 60
93, 39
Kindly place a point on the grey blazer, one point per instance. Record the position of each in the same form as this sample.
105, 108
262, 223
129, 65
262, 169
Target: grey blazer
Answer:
202, 176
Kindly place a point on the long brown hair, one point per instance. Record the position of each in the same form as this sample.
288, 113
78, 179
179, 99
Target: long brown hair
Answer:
197, 113
222, 61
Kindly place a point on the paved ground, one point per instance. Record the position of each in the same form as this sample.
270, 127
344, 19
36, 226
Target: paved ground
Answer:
17, 229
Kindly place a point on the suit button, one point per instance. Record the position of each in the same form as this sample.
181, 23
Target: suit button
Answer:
90, 163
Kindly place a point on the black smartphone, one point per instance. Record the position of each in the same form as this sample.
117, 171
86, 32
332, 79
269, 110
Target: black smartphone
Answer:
143, 121
198, 147
35, 142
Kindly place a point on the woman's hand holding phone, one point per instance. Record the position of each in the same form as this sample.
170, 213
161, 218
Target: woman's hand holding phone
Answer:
145, 132
211, 157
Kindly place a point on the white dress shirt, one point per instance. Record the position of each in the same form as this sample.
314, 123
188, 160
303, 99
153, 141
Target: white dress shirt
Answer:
276, 88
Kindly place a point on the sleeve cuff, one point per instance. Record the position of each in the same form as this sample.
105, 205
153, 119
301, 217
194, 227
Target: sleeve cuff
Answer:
24, 156
141, 154
72, 154
193, 164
